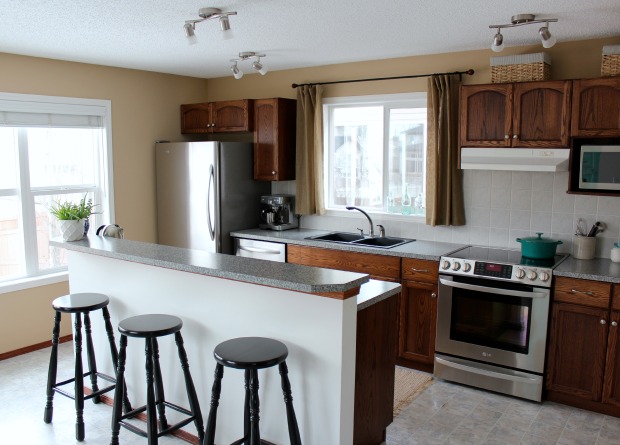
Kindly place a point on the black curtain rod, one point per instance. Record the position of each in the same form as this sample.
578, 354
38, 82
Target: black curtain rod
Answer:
460, 73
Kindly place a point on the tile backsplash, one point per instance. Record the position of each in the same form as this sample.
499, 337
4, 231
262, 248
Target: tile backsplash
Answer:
500, 206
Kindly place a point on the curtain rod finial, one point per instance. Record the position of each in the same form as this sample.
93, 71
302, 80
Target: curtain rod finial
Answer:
294, 85
470, 72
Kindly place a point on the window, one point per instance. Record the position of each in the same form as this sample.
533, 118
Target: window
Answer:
375, 149
51, 148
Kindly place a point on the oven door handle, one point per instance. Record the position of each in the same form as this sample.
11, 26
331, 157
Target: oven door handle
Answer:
491, 290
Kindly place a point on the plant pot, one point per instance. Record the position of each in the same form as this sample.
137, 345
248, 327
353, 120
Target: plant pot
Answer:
71, 229
538, 247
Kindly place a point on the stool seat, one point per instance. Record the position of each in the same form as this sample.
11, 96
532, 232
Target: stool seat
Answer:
250, 353
150, 325
80, 302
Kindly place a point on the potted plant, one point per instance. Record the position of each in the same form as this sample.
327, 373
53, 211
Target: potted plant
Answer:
72, 217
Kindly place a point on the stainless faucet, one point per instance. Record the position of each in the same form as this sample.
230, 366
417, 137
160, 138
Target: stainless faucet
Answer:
372, 230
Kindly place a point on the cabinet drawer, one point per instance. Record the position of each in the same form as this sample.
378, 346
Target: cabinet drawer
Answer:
420, 270
377, 266
583, 292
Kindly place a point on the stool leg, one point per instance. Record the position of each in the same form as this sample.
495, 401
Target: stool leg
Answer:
254, 409
90, 353
246, 408
215, 401
110, 332
293, 428
151, 419
118, 392
191, 389
51, 373
160, 398
79, 380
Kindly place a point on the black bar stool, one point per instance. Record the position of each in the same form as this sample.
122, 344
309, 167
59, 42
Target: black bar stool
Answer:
150, 327
78, 304
251, 354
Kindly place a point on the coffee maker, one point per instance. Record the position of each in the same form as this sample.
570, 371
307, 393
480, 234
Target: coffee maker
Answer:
278, 212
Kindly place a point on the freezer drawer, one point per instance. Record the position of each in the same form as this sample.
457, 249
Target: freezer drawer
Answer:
262, 250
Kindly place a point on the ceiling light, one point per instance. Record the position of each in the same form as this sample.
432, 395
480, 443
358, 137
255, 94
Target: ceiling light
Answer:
547, 39
236, 71
208, 14
246, 55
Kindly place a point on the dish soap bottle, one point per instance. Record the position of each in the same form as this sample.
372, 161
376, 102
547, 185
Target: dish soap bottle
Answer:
406, 209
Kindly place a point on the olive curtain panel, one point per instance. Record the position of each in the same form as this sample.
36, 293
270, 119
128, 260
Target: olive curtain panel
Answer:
444, 179
309, 155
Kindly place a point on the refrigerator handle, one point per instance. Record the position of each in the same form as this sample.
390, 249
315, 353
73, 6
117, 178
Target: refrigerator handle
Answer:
211, 182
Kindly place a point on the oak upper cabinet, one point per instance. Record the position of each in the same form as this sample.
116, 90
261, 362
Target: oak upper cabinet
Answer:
583, 356
418, 314
596, 107
217, 117
517, 115
274, 139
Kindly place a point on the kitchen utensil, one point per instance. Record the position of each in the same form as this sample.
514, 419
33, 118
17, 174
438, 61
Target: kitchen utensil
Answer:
581, 227
538, 247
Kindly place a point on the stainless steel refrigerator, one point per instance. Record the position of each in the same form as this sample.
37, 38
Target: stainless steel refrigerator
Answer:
205, 190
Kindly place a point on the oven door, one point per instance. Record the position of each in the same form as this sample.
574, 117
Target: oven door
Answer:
492, 322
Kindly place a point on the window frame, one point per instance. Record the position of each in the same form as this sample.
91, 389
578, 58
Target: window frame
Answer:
398, 100
104, 186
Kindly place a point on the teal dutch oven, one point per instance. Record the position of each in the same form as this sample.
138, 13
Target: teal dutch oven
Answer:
538, 247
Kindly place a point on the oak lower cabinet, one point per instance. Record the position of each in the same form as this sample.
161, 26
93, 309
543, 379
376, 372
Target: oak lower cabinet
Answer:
274, 139
217, 117
596, 107
418, 314
583, 359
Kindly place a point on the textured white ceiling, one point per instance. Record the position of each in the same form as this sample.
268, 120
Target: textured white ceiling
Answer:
148, 34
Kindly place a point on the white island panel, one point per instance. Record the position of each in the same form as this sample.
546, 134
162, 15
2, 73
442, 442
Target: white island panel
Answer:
319, 333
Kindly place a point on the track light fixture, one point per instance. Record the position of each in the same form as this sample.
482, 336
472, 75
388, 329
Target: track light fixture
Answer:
546, 38
208, 14
257, 65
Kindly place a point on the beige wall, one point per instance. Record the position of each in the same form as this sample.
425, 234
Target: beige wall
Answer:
145, 108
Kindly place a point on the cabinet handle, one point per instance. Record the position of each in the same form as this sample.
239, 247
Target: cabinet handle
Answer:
273, 173
420, 270
614, 323
514, 136
506, 136
575, 291
603, 322
433, 295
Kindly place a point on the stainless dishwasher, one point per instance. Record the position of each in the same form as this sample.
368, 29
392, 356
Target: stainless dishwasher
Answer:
263, 250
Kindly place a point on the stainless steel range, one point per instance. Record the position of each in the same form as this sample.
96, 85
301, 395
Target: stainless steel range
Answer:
492, 314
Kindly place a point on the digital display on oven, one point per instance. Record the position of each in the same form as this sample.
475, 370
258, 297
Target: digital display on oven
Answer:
493, 270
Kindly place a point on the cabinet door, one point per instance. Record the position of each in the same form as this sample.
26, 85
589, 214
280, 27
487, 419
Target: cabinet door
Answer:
541, 114
611, 387
232, 116
596, 107
486, 115
417, 322
274, 139
577, 349
196, 118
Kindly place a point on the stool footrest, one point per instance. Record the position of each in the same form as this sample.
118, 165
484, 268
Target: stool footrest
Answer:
71, 395
163, 432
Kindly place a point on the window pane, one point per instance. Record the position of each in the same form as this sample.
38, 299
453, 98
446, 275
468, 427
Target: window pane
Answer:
8, 158
407, 161
357, 154
11, 251
62, 156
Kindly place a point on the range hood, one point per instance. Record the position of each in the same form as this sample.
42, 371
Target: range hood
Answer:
517, 159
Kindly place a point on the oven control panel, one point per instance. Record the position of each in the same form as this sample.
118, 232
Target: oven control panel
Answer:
537, 276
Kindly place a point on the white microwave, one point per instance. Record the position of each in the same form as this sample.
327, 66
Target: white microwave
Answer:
599, 167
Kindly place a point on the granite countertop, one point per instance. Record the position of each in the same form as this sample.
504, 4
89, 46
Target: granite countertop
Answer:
280, 275
597, 269
425, 250
375, 291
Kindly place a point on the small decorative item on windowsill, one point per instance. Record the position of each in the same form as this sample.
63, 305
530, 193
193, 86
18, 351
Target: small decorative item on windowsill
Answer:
72, 217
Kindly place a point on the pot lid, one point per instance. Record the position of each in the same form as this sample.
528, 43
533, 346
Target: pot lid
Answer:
538, 239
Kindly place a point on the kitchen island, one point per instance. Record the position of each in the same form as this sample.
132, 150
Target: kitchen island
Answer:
337, 347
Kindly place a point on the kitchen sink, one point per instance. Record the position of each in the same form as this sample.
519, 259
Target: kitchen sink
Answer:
355, 239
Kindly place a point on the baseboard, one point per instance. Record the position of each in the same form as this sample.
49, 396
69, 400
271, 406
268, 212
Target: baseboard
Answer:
27, 349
